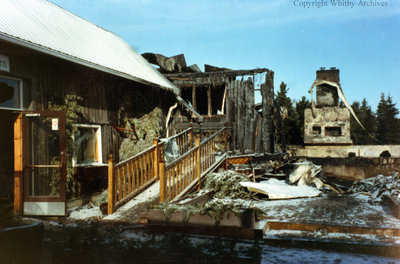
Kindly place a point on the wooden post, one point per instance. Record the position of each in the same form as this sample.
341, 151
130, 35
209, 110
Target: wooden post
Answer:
267, 94
194, 101
111, 186
155, 143
163, 180
209, 99
249, 110
224, 100
231, 114
191, 135
18, 166
198, 159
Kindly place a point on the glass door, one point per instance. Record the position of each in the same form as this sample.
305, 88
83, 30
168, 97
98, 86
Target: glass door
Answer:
44, 163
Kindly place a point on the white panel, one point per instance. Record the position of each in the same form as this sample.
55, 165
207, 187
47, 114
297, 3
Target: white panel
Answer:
44, 208
44, 26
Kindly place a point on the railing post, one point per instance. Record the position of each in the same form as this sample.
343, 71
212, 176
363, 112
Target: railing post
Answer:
162, 175
156, 170
198, 159
111, 186
191, 135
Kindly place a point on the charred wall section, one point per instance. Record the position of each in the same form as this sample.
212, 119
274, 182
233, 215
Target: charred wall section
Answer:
227, 98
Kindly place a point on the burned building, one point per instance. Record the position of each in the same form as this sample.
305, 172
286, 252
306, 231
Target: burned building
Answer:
65, 87
327, 122
224, 98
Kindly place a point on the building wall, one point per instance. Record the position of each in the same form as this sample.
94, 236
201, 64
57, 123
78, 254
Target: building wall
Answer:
106, 98
366, 151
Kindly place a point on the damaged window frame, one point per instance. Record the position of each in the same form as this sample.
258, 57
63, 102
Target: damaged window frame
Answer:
20, 93
98, 147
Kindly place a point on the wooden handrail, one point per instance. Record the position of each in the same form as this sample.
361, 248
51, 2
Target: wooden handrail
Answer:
184, 140
131, 176
137, 155
182, 157
213, 135
181, 173
181, 133
195, 147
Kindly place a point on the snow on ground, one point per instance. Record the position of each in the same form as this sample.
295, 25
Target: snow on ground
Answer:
147, 196
352, 210
273, 234
86, 213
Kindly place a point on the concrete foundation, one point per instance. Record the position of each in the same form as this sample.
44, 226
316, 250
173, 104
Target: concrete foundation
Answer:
352, 162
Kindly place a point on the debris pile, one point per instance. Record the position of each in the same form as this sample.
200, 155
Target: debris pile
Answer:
228, 196
378, 187
140, 133
226, 184
278, 189
305, 173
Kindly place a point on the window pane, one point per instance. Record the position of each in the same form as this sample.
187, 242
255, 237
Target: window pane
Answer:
44, 146
9, 93
44, 182
44, 142
86, 145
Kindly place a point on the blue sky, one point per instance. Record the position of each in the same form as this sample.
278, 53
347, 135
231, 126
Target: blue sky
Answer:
281, 35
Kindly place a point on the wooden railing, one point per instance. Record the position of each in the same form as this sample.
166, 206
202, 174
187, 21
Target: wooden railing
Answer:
129, 177
184, 140
178, 175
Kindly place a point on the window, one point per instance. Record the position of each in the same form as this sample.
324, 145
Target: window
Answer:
316, 130
333, 131
88, 150
10, 93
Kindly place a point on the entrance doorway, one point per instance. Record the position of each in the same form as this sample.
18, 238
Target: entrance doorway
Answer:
40, 163
7, 119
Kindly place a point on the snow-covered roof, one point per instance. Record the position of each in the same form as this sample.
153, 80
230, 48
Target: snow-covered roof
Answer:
44, 26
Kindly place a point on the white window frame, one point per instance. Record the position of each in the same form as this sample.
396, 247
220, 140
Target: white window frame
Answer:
21, 95
99, 148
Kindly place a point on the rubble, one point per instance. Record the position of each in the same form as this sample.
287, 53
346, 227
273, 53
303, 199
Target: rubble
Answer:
278, 189
145, 128
378, 187
226, 184
228, 197
306, 173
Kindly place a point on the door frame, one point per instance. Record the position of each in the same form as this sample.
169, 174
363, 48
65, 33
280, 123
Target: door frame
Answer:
22, 200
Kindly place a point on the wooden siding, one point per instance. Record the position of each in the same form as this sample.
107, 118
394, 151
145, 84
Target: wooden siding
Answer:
48, 79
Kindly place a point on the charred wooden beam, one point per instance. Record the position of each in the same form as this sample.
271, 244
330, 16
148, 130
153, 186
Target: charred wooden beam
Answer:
167, 64
232, 73
267, 94
249, 127
210, 68
194, 100
209, 101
